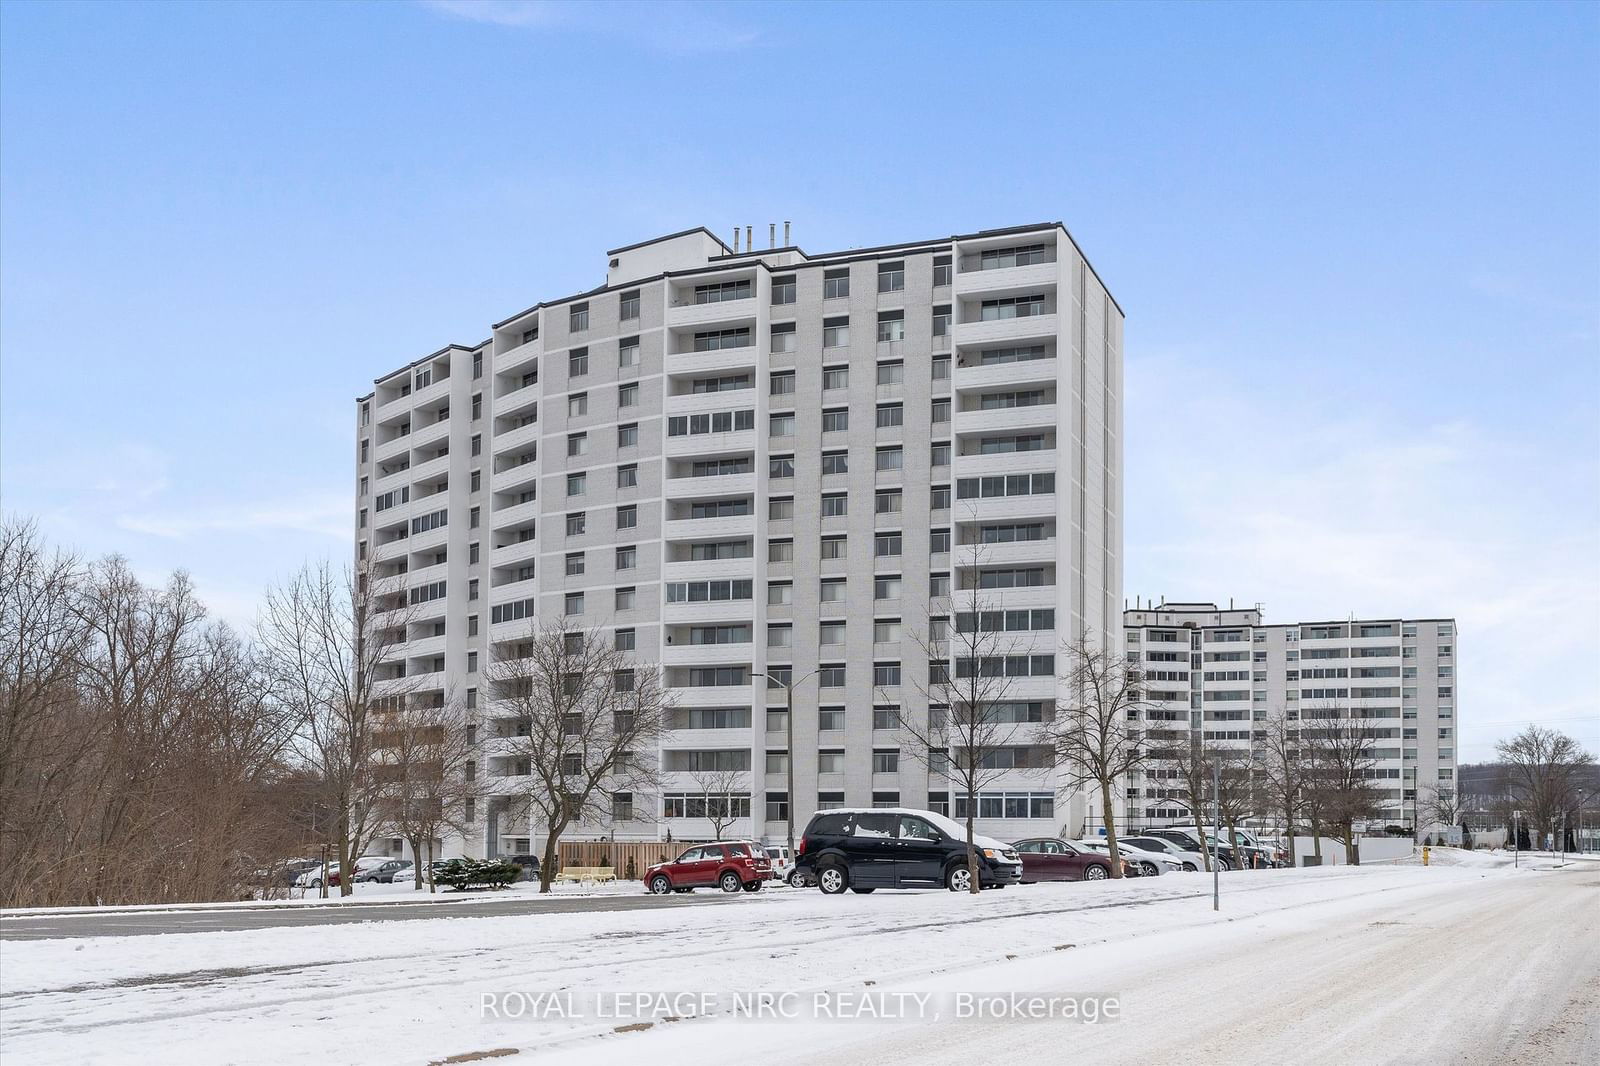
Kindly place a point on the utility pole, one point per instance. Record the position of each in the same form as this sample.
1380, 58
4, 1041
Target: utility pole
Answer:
788, 759
1516, 838
1216, 834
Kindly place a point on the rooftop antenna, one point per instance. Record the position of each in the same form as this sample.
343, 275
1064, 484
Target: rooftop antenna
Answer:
786, 243
749, 239
772, 234
736, 240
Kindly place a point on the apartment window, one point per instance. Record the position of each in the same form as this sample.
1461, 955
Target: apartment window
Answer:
473, 517
831, 633
577, 362
778, 807
887, 501
836, 420
941, 411
891, 277
472, 589
1012, 307
716, 340
578, 318
628, 516
628, 435
886, 588
830, 718
780, 508
628, 476
885, 762
835, 463
783, 290
627, 557
891, 415
782, 384
941, 368
886, 631
577, 523
628, 352
577, 404
628, 305
530, 335
783, 337
780, 551
781, 425
831, 590
624, 640
941, 321
628, 395
939, 454
573, 603
577, 484
363, 483
832, 547
780, 636
885, 545
625, 598
938, 586
891, 325
835, 377
831, 676
780, 466
836, 284
720, 292
941, 270
362, 518
890, 458
472, 625
575, 566
780, 593
835, 505
835, 332
938, 541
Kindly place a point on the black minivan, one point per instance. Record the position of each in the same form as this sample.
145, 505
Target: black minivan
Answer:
868, 849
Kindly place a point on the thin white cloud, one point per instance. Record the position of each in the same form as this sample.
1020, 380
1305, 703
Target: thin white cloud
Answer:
324, 515
670, 26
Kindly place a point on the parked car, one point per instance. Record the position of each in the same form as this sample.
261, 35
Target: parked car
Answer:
529, 865
729, 865
782, 861
1052, 859
1190, 840
1149, 863
1191, 860
313, 877
389, 872
868, 849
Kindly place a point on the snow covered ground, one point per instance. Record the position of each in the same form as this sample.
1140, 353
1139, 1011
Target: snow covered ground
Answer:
1354, 964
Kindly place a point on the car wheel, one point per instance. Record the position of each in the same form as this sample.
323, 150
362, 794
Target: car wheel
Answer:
1191, 867
1148, 869
753, 886
863, 891
659, 885
731, 882
794, 879
959, 879
832, 880
1224, 865
316, 883
1095, 872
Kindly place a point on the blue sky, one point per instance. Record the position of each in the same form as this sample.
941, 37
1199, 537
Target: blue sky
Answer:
1358, 247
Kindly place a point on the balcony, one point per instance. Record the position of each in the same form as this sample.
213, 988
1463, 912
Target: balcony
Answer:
690, 315
1041, 462
1004, 599
1033, 277
1007, 419
1004, 331
707, 655
428, 471
1000, 508
972, 377
718, 696
516, 514
716, 486
708, 569
513, 554
519, 399
732, 441
692, 403
516, 440
717, 360
1013, 553
423, 647
706, 612
430, 436
731, 528
427, 540
521, 355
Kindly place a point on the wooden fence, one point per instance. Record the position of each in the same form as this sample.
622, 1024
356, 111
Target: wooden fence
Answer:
616, 854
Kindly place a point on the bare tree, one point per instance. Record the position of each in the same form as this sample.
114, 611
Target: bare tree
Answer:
1440, 805
1341, 781
1188, 762
719, 786
426, 766
1542, 770
590, 718
973, 734
332, 646
1096, 734
1236, 792
1281, 763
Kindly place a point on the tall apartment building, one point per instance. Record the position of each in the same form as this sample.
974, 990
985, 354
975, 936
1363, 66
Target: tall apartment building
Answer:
1220, 672
753, 464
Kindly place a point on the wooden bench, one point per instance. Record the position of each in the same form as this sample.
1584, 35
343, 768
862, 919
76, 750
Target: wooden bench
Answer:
580, 874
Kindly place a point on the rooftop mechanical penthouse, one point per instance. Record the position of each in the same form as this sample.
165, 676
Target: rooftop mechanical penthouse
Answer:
754, 467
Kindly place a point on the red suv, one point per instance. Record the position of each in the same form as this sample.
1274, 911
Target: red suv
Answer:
730, 865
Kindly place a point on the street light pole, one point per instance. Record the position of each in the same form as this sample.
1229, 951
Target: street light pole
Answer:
1516, 838
1216, 834
788, 757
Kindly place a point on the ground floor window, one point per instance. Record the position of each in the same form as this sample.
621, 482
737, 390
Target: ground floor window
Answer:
1010, 805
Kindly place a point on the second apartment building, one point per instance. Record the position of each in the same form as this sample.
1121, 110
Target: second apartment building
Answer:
759, 464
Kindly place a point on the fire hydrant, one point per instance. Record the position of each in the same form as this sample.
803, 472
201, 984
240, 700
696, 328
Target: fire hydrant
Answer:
1424, 854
